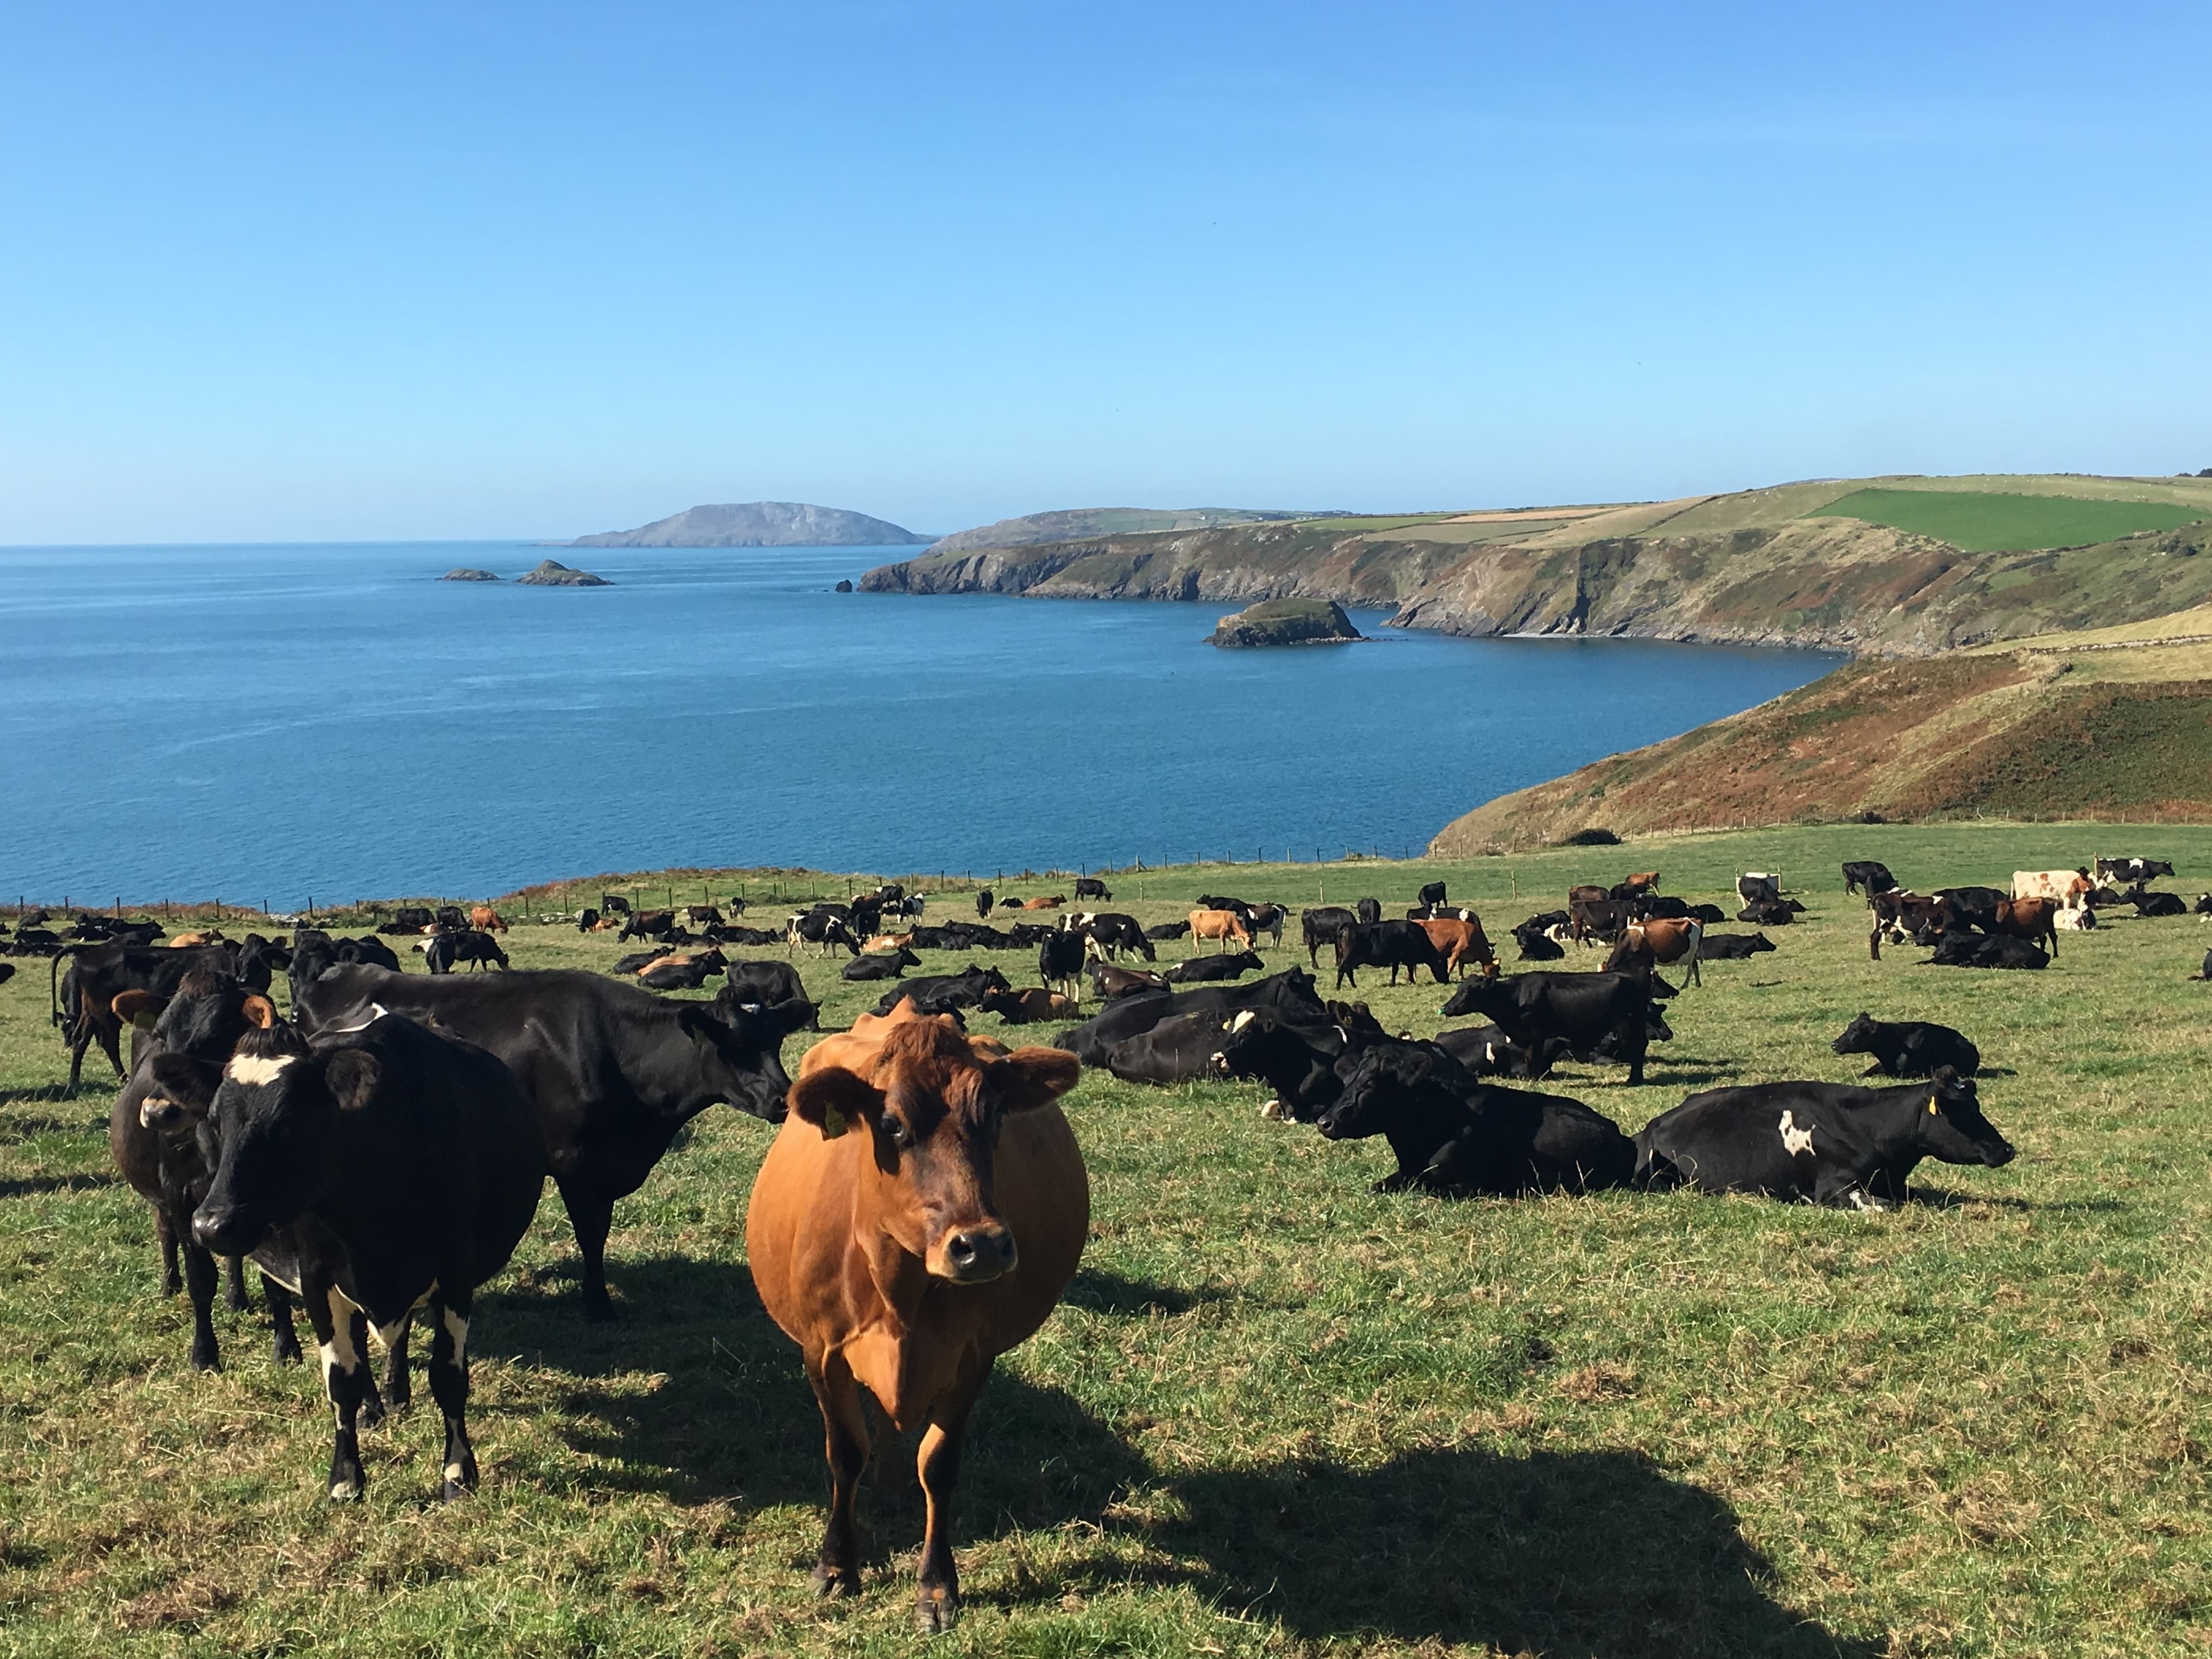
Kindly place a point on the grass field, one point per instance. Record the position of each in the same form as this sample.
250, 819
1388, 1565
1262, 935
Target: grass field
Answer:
1277, 1414
1994, 523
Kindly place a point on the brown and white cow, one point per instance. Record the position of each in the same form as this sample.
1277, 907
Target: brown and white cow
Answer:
1223, 924
922, 1211
2067, 887
1667, 940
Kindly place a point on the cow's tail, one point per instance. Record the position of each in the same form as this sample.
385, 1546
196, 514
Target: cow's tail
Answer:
53, 987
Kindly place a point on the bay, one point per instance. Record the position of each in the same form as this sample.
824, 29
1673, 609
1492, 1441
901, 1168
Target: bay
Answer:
283, 722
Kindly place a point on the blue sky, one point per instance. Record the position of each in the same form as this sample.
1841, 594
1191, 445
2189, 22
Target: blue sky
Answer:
292, 271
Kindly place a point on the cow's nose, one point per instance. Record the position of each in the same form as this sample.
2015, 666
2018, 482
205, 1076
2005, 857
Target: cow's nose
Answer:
978, 1253
158, 1114
212, 1228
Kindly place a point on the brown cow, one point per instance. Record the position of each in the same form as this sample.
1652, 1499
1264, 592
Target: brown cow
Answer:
2031, 919
1461, 942
888, 941
921, 1211
1667, 940
1052, 903
193, 941
485, 920
1587, 896
1224, 924
1026, 1007
1643, 881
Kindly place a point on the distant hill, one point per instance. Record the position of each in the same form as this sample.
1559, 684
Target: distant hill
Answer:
1907, 566
1073, 523
759, 524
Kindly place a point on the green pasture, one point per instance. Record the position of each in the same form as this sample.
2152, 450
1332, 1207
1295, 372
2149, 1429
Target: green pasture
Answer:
1978, 522
1276, 1414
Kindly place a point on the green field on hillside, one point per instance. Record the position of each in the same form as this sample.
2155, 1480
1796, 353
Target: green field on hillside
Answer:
1989, 523
1277, 1414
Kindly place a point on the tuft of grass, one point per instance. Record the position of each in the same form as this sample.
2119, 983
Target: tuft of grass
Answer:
1276, 1413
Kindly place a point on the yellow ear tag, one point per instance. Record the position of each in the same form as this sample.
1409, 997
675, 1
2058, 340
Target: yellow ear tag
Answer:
833, 1122
1931, 1106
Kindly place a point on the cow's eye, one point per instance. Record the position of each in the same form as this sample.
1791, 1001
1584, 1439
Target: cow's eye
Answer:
900, 1135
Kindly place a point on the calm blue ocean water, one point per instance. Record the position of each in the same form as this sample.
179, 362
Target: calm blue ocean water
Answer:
277, 721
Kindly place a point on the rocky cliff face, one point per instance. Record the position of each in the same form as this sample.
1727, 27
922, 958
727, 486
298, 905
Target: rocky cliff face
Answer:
1286, 622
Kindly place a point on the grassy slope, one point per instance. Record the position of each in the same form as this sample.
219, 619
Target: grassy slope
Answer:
1993, 522
2046, 733
1277, 1414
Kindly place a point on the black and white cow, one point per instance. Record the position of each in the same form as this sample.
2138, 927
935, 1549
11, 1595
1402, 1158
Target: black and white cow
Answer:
1870, 875
1061, 957
1961, 949
1732, 947
1289, 994
945, 994
375, 1172
1908, 1047
1829, 1143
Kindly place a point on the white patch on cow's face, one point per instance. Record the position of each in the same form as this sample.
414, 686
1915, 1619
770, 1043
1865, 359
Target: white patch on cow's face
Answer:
255, 1070
1241, 1020
1795, 1140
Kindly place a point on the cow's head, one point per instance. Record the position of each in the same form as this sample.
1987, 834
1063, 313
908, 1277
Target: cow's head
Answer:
1378, 1087
277, 1119
739, 1049
930, 1100
189, 1036
1487, 997
1952, 1127
1858, 1037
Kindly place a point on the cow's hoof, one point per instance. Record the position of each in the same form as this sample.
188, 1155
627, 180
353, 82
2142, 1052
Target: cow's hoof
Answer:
287, 1351
460, 1481
205, 1358
831, 1582
936, 1611
601, 1312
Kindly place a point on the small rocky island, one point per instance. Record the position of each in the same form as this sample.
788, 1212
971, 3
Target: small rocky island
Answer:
465, 575
1286, 622
552, 573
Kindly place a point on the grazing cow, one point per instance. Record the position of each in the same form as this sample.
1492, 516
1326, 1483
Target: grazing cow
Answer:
1289, 995
1908, 1047
646, 924
2032, 920
1217, 923
1319, 925
945, 994
1297, 1061
891, 966
1463, 942
1089, 887
1665, 941
1432, 894
1986, 950
1052, 903
2149, 904
1176, 1050
1586, 1009
445, 950
705, 914
1828, 1143
1732, 947
1598, 919
1370, 910
823, 930
180, 1046
1768, 913
81, 1000
2132, 871
919, 1213
2066, 887
1027, 1007
485, 920
1231, 966
614, 1072
1392, 945
614, 905
375, 1172
1456, 1135
1867, 875
1114, 982
984, 901
1061, 957
683, 973
1755, 886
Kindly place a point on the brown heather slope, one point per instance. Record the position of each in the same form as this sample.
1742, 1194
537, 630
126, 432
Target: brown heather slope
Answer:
2054, 729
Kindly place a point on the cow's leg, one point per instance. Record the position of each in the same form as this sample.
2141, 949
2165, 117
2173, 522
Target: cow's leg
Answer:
1636, 1037
591, 1215
286, 1337
233, 1284
79, 1040
199, 1284
109, 1033
936, 1592
398, 1387
449, 1384
339, 1330
166, 1236
844, 1427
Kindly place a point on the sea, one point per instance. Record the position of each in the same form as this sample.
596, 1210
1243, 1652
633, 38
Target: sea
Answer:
277, 724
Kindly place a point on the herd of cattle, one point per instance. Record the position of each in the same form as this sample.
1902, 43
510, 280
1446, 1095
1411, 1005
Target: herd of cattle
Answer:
380, 1153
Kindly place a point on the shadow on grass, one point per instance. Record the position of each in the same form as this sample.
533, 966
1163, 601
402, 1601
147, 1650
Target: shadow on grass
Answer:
1945, 1198
28, 1125
1101, 1290
32, 1186
48, 1093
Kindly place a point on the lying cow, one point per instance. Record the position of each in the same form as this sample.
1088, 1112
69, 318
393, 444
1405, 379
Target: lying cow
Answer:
1770, 913
1986, 950
1027, 1007
891, 966
1732, 947
1828, 1143
1112, 981
1231, 966
683, 973
943, 993
1908, 1047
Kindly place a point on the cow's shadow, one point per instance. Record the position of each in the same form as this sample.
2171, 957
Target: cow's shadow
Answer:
34, 1186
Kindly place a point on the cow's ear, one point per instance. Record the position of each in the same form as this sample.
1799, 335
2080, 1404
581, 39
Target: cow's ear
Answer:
351, 1075
1943, 1077
139, 1008
258, 1011
1030, 1078
832, 1097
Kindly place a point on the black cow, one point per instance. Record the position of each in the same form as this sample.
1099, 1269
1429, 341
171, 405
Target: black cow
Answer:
1165, 931
1089, 887
731, 934
1830, 1143
1534, 938
890, 965
1235, 907
1289, 994
945, 994
1370, 910
80, 999
1319, 925
409, 919
684, 973
1392, 945
1456, 1135
646, 924
451, 916
475, 949
1487, 1051
614, 1071
1231, 966
1870, 874
1586, 1009
1769, 912
1432, 894
7, 972
765, 985
1987, 951
1908, 1047
368, 949
1177, 1050
1295, 1058
1972, 906
1114, 932
2156, 904
374, 1172
614, 905
1061, 957
635, 962
1601, 920
1732, 947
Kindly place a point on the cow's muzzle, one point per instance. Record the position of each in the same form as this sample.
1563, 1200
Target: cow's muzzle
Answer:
226, 1230
976, 1255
